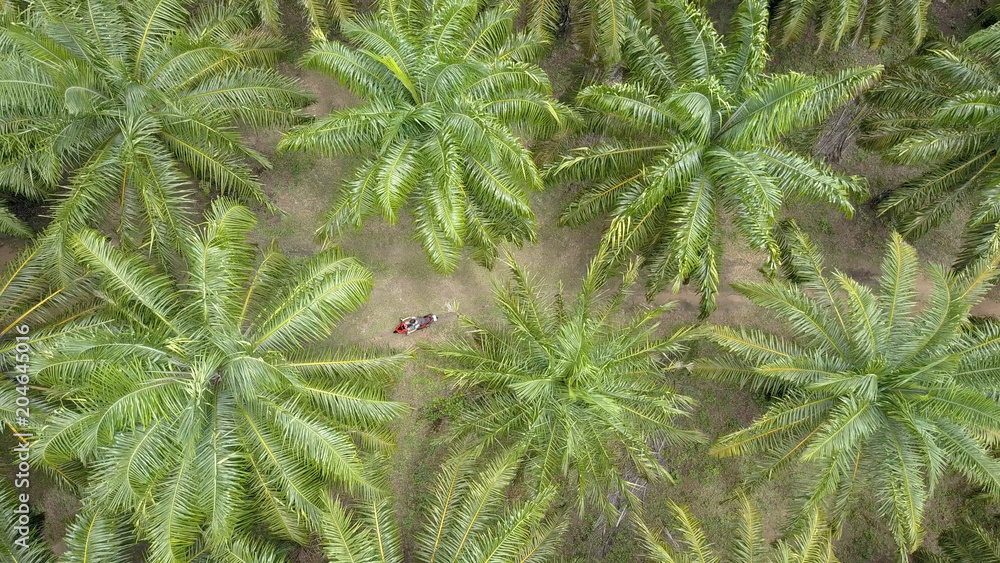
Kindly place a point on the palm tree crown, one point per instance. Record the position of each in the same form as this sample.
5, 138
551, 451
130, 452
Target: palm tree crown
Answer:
187, 403
127, 102
696, 134
939, 112
582, 392
468, 519
872, 388
810, 543
445, 88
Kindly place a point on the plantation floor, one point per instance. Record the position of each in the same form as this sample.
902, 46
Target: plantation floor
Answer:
303, 186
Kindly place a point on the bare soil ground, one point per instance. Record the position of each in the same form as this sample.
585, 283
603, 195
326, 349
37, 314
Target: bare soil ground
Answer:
9, 247
958, 19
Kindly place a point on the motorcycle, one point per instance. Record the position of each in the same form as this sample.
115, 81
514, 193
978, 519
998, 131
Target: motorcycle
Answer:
413, 324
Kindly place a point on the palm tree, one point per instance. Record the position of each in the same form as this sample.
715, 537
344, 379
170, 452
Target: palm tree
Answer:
127, 103
695, 135
872, 392
937, 113
445, 89
808, 544
968, 542
583, 393
842, 21
187, 403
468, 519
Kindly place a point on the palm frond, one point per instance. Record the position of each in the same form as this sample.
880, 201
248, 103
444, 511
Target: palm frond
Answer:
565, 380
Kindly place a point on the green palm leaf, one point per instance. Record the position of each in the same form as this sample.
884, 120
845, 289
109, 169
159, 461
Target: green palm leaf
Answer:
809, 543
967, 542
468, 518
850, 22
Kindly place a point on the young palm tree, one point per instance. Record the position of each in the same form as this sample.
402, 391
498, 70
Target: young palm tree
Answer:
938, 112
187, 403
695, 135
445, 89
468, 519
872, 388
808, 544
843, 21
582, 392
126, 103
